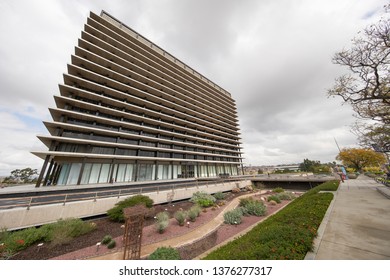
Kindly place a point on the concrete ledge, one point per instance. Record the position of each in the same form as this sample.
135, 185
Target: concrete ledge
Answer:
384, 191
17, 218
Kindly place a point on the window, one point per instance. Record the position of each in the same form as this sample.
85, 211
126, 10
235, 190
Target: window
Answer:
126, 152
164, 155
146, 172
164, 172
146, 153
102, 150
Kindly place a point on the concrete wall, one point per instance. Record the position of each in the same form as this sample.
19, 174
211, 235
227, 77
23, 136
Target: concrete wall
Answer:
17, 218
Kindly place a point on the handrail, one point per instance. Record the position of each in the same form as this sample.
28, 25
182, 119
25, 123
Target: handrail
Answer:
28, 202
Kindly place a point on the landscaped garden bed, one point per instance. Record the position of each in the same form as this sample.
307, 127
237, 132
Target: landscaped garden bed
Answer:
288, 234
85, 246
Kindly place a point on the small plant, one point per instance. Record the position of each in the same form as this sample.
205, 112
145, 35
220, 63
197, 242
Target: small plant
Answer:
162, 221
236, 190
278, 190
245, 201
106, 239
162, 216
164, 253
219, 196
161, 226
273, 202
286, 196
197, 209
233, 217
180, 217
256, 208
274, 198
192, 214
111, 244
203, 199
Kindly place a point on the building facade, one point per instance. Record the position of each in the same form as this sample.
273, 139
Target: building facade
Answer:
130, 111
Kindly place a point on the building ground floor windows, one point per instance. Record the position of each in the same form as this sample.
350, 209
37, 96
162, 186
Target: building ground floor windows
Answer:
82, 173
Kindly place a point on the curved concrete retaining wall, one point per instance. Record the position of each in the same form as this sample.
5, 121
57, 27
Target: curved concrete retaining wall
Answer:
18, 218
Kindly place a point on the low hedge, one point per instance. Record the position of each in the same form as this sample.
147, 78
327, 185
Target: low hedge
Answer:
116, 213
60, 232
288, 234
164, 253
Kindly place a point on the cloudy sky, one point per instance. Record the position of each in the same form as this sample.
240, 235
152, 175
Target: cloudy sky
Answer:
274, 56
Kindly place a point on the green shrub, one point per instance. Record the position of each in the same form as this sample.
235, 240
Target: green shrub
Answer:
192, 214
164, 253
219, 195
162, 221
111, 244
274, 198
286, 196
255, 208
116, 213
161, 226
63, 231
245, 201
278, 190
233, 217
162, 216
106, 239
288, 234
180, 217
196, 209
203, 199
19, 240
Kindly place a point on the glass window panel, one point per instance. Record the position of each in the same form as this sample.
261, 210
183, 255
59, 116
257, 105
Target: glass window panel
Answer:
74, 174
203, 171
121, 173
169, 172
64, 174
104, 173
160, 172
86, 173
141, 172
129, 172
94, 177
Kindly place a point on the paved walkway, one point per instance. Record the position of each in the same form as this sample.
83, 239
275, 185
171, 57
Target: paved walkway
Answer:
357, 224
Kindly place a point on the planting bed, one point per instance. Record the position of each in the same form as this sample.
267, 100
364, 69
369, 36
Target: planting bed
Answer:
84, 246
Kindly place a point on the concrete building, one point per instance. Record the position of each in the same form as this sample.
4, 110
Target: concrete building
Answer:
130, 111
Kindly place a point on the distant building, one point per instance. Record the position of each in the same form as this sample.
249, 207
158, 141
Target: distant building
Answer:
252, 170
130, 111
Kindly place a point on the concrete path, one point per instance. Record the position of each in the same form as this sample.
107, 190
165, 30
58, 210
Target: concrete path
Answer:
357, 224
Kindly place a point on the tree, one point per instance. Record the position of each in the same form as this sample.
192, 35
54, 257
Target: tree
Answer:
308, 165
359, 158
367, 86
23, 175
375, 136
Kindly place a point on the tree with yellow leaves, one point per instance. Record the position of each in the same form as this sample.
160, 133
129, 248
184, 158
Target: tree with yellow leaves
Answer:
360, 158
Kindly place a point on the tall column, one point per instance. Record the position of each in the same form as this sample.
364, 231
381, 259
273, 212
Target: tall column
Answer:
48, 172
40, 177
81, 172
